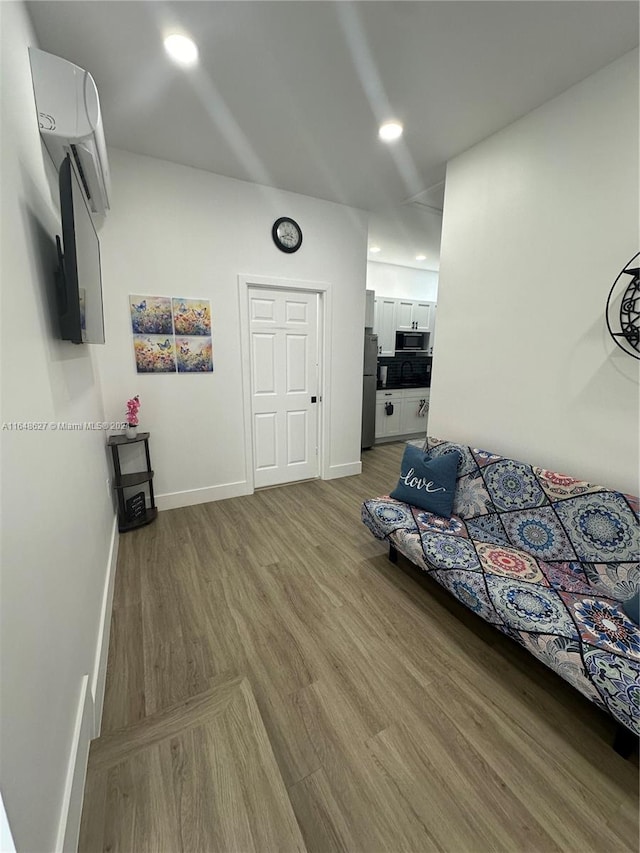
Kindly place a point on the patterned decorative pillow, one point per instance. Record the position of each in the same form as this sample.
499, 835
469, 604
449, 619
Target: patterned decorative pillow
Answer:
427, 483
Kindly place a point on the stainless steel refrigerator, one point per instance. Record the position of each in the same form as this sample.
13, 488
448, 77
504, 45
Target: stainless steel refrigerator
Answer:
369, 382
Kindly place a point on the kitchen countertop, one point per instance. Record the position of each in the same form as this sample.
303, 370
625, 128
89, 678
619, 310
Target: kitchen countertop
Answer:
402, 386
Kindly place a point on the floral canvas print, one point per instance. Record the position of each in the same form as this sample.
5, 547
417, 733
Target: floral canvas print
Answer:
154, 353
194, 355
191, 316
151, 315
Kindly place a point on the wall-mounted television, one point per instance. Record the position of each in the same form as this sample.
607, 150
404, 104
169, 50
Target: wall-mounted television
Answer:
79, 277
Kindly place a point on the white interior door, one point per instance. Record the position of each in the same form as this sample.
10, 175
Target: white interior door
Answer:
283, 331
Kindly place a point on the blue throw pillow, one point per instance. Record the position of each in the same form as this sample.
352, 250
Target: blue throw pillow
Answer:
427, 483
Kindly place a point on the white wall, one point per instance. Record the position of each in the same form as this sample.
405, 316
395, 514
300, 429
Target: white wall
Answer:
538, 221
402, 282
56, 513
178, 231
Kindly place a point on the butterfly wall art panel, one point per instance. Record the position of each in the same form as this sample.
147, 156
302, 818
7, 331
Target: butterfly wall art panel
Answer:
194, 354
154, 353
171, 334
191, 316
151, 315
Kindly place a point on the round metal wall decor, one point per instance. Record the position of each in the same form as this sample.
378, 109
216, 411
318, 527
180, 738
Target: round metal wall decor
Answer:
623, 308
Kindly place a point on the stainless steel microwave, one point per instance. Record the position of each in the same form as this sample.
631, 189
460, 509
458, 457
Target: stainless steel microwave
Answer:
412, 341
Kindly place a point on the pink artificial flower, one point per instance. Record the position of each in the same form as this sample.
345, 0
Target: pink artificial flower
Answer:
133, 406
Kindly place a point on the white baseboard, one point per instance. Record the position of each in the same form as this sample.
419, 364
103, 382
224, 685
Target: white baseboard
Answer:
71, 810
347, 470
104, 630
174, 500
397, 439
88, 714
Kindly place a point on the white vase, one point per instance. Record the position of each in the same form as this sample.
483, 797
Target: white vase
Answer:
131, 431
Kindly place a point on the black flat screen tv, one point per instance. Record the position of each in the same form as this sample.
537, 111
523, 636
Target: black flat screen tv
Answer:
79, 277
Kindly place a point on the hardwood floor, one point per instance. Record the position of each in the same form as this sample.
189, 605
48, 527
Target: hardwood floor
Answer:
399, 720
198, 776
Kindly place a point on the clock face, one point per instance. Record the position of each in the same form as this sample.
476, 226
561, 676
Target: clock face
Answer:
287, 234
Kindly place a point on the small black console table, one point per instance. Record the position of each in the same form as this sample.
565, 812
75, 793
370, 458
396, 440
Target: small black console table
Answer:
125, 481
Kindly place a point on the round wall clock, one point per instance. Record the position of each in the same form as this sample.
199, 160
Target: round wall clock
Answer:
287, 234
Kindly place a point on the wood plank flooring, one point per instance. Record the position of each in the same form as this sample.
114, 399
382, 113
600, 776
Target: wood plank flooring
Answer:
198, 776
399, 720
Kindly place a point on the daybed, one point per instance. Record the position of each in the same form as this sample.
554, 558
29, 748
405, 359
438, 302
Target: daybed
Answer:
547, 559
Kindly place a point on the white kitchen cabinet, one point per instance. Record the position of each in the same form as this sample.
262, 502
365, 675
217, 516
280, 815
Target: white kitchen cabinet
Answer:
388, 424
406, 418
381, 425
404, 315
384, 325
414, 403
412, 316
422, 316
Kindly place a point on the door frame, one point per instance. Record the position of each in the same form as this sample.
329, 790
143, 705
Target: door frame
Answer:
323, 289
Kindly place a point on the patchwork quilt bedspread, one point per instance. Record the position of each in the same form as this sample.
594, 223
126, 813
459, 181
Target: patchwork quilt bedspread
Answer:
546, 558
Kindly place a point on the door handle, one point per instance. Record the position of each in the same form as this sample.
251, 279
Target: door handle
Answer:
314, 399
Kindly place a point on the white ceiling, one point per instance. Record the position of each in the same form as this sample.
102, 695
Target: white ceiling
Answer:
402, 232
290, 94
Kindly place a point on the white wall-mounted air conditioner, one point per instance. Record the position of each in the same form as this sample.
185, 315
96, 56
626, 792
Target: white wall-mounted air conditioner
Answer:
70, 122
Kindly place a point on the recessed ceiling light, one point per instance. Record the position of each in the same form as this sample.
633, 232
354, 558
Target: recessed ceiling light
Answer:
374, 249
390, 130
421, 257
181, 49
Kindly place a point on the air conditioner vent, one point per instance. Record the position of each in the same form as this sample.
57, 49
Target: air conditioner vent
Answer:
69, 120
